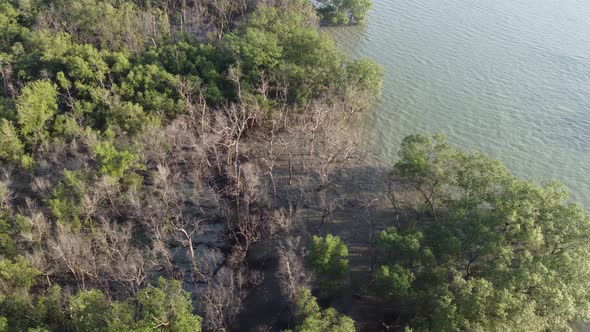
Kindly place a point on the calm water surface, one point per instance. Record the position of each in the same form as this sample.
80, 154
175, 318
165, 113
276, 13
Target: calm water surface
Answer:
509, 77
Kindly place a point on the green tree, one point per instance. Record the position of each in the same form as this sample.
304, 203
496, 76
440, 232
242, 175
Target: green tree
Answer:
17, 277
64, 200
152, 87
344, 11
113, 25
113, 162
3, 324
12, 148
505, 253
365, 75
90, 311
36, 105
282, 51
166, 306
329, 259
10, 29
394, 281
310, 317
425, 164
407, 246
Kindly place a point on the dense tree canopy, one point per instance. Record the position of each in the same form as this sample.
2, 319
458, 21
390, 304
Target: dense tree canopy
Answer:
503, 253
36, 105
329, 259
344, 11
311, 318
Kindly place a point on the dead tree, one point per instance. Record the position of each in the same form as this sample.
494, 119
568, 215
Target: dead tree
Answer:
184, 234
291, 271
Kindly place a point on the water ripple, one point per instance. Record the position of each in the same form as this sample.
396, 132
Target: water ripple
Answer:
507, 77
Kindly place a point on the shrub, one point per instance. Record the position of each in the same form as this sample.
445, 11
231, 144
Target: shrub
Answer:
311, 318
113, 162
329, 259
11, 149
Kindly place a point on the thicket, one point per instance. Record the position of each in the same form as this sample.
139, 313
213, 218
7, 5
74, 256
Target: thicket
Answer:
345, 12
125, 131
329, 259
493, 253
311, 318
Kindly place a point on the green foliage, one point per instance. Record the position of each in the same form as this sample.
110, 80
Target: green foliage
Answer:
311, 318
152, 87
344, 11
365, 75
74, 71
425, 161
113, 162
113, 25
280, 51
203, 64
394, 282
476, 305
306, 305
329, 259
48, 312
165, 307
85, 64
407, 247
106, 83
12, 148
425, 164
168, 305
16, 279
505, 253
10, 29
12, 229
65, 198
89, 311
36, 105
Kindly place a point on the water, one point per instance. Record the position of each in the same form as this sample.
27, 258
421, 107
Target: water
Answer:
508, 77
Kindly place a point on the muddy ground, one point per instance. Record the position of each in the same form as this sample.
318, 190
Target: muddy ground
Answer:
362, 211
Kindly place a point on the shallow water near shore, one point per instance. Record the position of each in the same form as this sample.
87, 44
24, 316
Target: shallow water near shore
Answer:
510, 78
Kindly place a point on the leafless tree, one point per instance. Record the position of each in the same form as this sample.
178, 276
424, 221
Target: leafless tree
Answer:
185, 230
222, 299
125, 263
329, 201
74, 252
291, 270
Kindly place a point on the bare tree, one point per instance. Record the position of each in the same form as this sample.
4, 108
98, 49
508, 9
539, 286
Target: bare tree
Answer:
329, 201
291, 271
125, 263
74, 252
222, 299
184, 233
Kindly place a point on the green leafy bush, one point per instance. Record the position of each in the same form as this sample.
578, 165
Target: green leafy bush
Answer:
165, 306
113, 162
329, 259
64, 201
310, 318
394, 281
12, 148
503, 253
344, 11
36, 105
